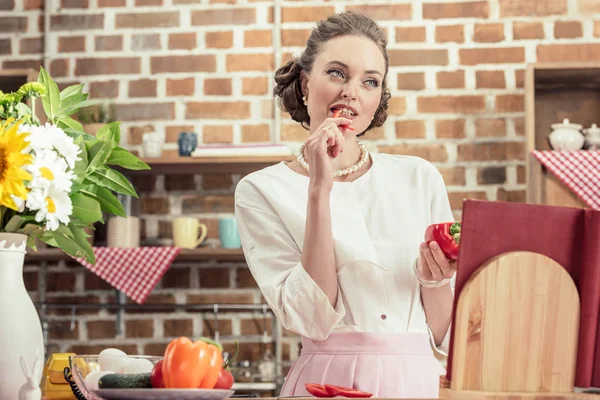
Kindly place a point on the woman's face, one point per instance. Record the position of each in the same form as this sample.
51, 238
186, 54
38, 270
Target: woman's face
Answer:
347, 74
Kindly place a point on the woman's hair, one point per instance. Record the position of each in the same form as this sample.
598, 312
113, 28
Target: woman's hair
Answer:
288, 78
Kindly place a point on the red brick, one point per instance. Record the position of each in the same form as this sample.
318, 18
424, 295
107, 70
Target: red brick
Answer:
172, 134
217, 134
528, 30
430, 152
101, 329
306, 14
192, 204
13, 24
510, 103
567, 29
396, 106
501, 151
73, 299
519, 78
74, 4
218, 110
521, 174
450, 79
516, 196
294, 37
209, 327
255, 133
258, 38
68, 22
109, 43
454, 176
391, 11
6, 47
178, 327
490, 127
140, 20
154, 205
255, 85
94, 282
214, 277
232, 297
96, 349
191, 63
226, 16
26, 46
219, 40
411, 34
136, 133
33, 5
596, 28
467, 104
588, 7
145, 42
244, 279
106, 89
58, 67
488, 33
568, 52
67, 44
31, 281
33, 64
411, 81
256, 325
450, 129
112, 3
183, 41
139, 328
449, 33
217, 86
491, 175
180, 87
456, 198
215, 182
145, 111
490, 79
473, 9
418, 57
143, 3
155, 349
107, 66
249, 62
61, 281
62, 330
410, 129
514, 8
497, 55
142, 88
520, 126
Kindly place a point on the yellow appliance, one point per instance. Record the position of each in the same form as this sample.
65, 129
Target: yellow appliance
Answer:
54, 384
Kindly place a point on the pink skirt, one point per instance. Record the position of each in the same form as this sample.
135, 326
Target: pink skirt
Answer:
397, 365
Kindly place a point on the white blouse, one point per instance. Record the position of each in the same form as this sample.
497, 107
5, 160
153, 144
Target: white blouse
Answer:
378, 222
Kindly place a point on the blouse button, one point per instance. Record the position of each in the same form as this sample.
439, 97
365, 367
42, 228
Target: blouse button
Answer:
383, 316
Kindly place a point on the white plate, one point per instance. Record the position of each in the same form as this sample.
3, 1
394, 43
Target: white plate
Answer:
164, 394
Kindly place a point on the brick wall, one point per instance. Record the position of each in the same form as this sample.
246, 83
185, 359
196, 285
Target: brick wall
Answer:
457, 72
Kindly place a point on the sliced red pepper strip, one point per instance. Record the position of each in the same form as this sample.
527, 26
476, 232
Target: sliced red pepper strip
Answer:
336, 390
337, 113
447, 236
317, 390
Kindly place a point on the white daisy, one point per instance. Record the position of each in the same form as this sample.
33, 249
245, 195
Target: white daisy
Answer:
38, 138
50, 169
52, 205
64, 144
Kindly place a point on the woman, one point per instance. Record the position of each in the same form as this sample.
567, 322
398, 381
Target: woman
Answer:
333, 239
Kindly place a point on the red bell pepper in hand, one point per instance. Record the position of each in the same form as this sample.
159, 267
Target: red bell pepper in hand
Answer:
190, 365
317, 390
336, 390
447, 236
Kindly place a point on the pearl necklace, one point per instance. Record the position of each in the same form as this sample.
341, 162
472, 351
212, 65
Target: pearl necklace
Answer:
341, 172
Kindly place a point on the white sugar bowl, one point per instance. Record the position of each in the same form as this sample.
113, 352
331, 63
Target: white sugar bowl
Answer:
592, 137
566, 136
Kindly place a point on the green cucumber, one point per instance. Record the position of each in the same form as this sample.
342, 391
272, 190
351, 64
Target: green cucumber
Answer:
125, 381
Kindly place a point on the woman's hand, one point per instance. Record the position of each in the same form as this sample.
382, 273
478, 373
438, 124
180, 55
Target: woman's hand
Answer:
322, 146
434, 266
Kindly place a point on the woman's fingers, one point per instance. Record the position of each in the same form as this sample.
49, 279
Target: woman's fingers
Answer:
430, 262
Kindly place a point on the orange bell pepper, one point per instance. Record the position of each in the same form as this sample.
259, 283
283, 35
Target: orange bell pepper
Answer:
190, 365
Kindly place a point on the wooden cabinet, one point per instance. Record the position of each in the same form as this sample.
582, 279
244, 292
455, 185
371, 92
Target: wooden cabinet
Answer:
553, 92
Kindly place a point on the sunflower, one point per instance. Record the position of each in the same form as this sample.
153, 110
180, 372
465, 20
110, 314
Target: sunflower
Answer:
12, 161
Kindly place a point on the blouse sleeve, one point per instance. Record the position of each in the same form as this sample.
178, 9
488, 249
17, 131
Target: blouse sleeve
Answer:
275, 263
441, 211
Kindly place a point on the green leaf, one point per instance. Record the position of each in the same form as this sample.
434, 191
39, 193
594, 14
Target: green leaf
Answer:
111, 133
71, 90
113, 180
23, 110
71, 101
76, 107
81, 239
75, 132
14, 224
108, 202
82, 164
51, 100
73, 243
70, 123
99, 154
125, 159
86, 208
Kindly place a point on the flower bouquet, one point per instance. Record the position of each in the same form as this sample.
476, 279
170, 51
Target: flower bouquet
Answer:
55, 179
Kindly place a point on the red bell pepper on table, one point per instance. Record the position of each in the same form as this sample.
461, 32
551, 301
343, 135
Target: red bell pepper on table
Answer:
447, 236
328, 390
225, 380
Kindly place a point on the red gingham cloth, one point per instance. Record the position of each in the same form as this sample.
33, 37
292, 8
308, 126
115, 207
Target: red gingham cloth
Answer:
578, 170
134, 271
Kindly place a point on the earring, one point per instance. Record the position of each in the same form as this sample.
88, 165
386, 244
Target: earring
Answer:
372, 118
304, 100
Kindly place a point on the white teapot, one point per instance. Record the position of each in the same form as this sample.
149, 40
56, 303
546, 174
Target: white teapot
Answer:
593, 137
152, 143
566, 136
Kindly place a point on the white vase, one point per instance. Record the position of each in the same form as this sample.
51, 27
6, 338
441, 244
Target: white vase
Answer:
20, 327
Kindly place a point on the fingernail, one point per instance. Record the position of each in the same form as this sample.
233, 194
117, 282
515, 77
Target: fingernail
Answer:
434, 245
423, 245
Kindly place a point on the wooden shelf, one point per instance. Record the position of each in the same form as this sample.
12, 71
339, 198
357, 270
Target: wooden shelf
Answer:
199, 254
213, 165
